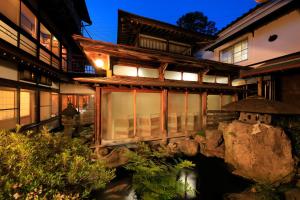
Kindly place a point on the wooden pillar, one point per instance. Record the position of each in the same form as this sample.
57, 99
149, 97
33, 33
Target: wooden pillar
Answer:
134, 114
204, 109
200, 78
164, 115
186, 107
97, 117
235, 97
259, 86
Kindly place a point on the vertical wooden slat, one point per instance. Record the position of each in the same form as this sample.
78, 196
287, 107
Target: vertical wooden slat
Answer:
164, 113
204, 109
134, 114
200, 78
186, 107
98, 116
259, 86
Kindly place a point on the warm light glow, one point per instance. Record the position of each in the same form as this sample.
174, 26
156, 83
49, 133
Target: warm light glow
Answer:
99, 63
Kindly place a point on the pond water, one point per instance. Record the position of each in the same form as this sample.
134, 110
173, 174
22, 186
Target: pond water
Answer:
210, 178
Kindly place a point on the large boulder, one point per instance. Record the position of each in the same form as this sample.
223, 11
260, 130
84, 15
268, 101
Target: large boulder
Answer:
211, 145
259, 152
188, 147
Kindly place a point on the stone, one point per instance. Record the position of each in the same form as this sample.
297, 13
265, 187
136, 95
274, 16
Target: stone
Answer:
245, 196
116, 158
212, 144
293, 194
188, 147
259, 152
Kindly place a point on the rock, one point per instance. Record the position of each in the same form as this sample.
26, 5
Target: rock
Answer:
245, 196
188, 147
222, 126
259, 152
293, 194
115, 158
212, 144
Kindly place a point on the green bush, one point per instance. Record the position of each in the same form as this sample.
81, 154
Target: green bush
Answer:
45, 166
154, 177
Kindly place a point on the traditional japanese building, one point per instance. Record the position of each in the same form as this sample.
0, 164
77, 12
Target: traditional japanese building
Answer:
154, 88
38, 58
266, 39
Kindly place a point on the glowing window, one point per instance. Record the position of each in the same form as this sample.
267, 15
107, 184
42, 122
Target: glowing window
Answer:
45, 37
190, 76
222, 80
55, 46
209, 79
147, 72
172, 75
28, 21
125, 71
27, 107
45, 105
235, 53
8, 108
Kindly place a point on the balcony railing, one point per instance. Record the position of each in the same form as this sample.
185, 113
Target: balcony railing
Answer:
164, 45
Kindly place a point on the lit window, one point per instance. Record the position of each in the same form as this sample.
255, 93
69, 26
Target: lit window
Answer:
45, 37
222, 79
10, 9
190, 76
172, 75
27, 107
28, 20
8, 108
55, 46
45, 105
54, 103
235, 53
209, 79
148, 73
89, 69
124, 70
64, 58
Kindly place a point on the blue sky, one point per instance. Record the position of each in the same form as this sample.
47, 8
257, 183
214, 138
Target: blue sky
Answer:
104, 13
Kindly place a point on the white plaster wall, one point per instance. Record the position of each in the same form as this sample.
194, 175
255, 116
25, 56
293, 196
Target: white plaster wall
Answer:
8, 70
75, 89
260, 49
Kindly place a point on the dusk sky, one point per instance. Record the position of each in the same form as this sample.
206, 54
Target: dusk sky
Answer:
104, 13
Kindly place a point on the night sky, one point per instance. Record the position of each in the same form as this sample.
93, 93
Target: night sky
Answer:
104, 13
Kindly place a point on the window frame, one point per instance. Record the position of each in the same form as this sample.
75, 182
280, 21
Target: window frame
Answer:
231, 50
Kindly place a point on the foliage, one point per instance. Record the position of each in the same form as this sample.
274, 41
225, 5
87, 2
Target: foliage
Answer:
267, 192
201, 133
46, 166
198, 22
154, 177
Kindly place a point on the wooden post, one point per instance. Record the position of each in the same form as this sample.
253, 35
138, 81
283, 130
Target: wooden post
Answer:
200, 78
186, 107
134, 114
259, 86
164, 114
204, 109
98, 118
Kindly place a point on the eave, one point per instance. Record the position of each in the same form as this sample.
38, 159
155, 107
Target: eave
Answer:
250, 21
284, 63
187, 63
154, 83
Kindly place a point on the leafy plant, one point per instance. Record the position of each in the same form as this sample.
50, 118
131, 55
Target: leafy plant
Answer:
47, 166
154, 177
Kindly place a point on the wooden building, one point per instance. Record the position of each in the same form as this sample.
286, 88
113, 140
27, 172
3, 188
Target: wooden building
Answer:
154, 88
266, 40
38, 58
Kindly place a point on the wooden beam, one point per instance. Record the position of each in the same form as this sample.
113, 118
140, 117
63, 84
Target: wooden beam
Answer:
204, 110
164, 114
98, 116
162, 70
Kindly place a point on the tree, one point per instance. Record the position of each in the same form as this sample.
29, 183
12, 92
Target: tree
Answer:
198, 22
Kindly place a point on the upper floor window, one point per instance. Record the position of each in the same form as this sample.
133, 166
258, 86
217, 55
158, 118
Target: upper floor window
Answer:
45, 37
55, 46
235, 53
28, 21
11, 9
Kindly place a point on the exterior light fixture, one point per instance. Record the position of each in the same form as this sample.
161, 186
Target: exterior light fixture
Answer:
99, 63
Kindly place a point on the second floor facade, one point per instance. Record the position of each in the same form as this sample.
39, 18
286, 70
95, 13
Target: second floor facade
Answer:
269, 31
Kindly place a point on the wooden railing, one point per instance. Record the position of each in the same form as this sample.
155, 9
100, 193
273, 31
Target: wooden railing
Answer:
216, 116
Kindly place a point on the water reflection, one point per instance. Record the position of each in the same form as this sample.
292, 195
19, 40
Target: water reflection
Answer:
189, 178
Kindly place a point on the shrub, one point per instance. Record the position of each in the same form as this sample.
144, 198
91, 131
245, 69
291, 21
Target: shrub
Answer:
154, 177
46, 166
